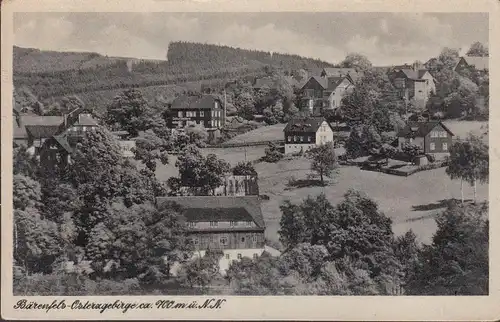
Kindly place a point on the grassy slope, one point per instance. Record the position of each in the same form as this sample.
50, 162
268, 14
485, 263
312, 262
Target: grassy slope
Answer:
275, 132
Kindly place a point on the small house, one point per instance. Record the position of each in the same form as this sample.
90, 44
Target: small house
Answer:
302, 134
472, 62
433, 137
320, 93
233, 225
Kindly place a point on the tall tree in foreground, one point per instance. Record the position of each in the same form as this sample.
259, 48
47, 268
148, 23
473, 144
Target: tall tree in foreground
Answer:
469, 162
456, 263
323, 160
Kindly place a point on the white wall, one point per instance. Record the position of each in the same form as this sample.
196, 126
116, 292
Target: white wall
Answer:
324, 134
295, 147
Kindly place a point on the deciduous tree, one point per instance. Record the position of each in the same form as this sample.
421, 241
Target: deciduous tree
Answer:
323, 160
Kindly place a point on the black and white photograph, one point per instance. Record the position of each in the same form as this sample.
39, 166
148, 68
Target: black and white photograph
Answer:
222, 154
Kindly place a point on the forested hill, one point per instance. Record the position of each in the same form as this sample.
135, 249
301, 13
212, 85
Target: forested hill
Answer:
51, 74
197, 53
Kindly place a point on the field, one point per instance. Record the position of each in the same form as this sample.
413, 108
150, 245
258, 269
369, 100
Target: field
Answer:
411, 202
275, 132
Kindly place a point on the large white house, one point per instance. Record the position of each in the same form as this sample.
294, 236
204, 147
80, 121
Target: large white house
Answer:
302, 134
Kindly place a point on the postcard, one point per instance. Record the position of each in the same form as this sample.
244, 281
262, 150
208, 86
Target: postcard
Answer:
234, 160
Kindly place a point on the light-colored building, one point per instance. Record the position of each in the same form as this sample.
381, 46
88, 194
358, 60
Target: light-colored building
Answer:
302, 134
414, 85
234, 225
321, 93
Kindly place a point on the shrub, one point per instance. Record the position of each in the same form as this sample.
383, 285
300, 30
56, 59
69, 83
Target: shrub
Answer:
431, 158
273, 154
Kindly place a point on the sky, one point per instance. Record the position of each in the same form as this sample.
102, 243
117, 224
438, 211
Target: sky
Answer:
385, 38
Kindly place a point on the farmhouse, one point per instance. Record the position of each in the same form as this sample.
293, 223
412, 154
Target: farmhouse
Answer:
472, 62
302, 134
433, 137
320, 93
206, 110
413, 84
234, 225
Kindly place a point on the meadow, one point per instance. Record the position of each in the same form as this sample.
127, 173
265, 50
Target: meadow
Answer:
411, 202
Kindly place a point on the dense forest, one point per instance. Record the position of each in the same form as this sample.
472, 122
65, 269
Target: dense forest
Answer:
52, 74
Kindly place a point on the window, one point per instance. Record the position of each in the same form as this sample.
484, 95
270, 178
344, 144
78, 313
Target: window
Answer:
301, 138
179, 114
196, 241
232, 223
202, 113
227, 256
255, 255
308, 139
445, 146
239, 256
432, 146
442, 134
434, 134
214, 224
254, 238
242, 239
191, 224
223, 240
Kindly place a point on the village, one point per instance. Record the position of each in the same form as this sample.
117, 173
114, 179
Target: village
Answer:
250, 168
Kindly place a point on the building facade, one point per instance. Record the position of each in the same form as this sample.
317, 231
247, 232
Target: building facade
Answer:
205, 110
233, 225
302, 134
413, 85
321, 93
433, 137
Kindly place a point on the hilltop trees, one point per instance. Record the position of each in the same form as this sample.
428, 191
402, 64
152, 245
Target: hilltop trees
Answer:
478, 49
469, 161
355, 60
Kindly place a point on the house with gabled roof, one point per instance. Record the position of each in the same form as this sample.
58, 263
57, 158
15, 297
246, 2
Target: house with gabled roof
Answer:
233, 225
414, 85
206, 110
433, 137
475, 62
302, 134
320, 93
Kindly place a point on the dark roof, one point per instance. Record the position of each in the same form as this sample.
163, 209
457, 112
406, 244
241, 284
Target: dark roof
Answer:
314, 71
306, 125
219, 208
420, 129
479, 63
41, 120
413, 74
42, 131
62, 140
193, 102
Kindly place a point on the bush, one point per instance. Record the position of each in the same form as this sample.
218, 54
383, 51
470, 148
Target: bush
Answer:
64, 284
273, 154
431, 158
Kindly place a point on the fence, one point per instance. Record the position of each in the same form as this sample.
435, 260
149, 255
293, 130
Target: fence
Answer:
244, 144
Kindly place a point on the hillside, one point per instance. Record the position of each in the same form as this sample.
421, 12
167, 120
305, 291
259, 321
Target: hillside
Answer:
50, 74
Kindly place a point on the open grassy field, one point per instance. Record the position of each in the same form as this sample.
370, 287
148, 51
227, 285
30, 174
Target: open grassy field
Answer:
462, 128
264, 133
275, 132
411, 202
